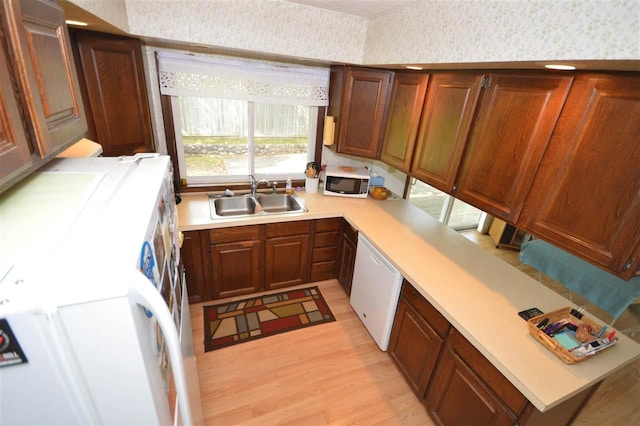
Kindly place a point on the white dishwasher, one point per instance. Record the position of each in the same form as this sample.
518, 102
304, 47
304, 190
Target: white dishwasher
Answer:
375, 291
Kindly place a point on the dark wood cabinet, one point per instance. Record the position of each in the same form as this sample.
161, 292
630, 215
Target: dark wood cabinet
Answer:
46, 71
191, 255
403, 118
116, 98
287, 254
15, 155
454, 381
586, 195
326, 236
447, 115
347, 255
515, 120
358, 101
415, 344
234, 260
458, 395
41, 107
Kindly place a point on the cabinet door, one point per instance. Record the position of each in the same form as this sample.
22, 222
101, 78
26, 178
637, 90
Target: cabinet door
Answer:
117, 92
347, 256
403, 119
363, 111
47, 73
286, 261
458, 396
446, 120
515, 120
15, 155
414, 346
235, 268
586, 196
194, 267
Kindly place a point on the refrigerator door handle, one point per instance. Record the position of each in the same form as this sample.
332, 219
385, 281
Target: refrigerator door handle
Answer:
142, 292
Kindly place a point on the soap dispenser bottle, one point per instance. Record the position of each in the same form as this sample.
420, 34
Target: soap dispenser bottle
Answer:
288, 189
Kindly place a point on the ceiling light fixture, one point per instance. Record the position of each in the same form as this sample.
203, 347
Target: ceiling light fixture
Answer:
413, 67
560, 67
77, 23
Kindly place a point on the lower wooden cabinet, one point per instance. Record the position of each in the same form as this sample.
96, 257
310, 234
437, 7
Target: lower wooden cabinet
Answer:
414, 344
233, 260
191, 256
287, 254
347, 255
454, 381
457, 384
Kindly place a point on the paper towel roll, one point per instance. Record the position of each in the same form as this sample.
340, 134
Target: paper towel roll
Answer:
329, 129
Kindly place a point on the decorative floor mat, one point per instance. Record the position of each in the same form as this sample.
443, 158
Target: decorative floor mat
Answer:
250, 319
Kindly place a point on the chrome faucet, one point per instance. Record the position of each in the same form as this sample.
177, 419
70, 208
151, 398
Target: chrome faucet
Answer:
255, 183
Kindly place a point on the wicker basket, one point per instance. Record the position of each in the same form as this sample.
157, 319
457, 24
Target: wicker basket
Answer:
552, 344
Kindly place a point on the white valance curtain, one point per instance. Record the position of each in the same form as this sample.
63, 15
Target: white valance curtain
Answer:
183, 74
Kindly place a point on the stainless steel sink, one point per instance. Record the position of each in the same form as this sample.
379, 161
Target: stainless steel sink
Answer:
262, 204
232, 206
280, 203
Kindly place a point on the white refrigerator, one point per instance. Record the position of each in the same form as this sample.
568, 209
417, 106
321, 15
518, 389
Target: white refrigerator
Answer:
94, 314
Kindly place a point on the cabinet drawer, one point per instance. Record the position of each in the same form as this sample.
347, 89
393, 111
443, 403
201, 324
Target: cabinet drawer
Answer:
333, 224
324, 253
323, 271
487, 372
426, 310
236, 233
326, 239
288, 228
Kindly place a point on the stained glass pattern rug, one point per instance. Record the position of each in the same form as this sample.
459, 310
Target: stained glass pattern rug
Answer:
250, 319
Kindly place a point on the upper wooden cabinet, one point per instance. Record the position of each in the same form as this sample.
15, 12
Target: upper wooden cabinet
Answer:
15, 155
586, 195
48, 81
403, 118
358, 100
116, 92
41, 110
446, 120
515, 120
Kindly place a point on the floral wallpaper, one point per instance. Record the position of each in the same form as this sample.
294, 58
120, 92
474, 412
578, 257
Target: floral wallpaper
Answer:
455, 31
273, 27
427, 31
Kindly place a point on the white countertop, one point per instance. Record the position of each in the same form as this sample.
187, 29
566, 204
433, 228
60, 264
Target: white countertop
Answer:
477, 292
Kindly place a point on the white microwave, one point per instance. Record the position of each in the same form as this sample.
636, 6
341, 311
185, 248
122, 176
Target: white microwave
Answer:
346, 181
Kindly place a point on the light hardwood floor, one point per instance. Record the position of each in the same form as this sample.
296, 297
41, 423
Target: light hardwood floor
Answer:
334, 374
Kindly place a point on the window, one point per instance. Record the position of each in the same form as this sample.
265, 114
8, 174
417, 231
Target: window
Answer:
224, 140
237, 117
447, 209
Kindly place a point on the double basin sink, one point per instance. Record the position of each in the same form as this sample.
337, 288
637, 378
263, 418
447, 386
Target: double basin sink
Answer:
249, 205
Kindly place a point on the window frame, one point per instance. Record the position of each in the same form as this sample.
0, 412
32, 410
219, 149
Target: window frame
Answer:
173, 148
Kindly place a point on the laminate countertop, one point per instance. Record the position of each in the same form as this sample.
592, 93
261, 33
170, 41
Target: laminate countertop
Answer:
477, 292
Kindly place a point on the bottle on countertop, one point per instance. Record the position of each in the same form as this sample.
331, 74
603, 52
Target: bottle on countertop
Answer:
288, 189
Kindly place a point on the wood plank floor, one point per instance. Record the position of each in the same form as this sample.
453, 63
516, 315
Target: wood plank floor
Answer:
334, 374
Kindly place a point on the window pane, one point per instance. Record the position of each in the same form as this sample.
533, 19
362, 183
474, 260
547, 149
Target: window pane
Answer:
436, 203
427, 198
224, 140
214, 136
463, 216
281, 139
